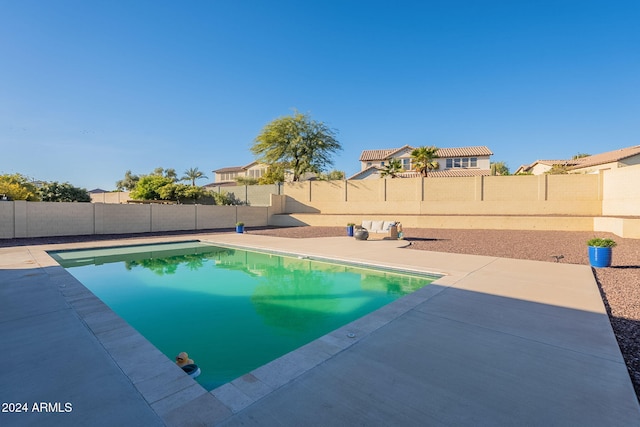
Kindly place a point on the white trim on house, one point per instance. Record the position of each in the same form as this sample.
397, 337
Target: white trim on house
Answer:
466, 161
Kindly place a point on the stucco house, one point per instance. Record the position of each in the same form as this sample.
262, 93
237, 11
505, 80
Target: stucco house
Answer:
452, 162
590, 164
227, 176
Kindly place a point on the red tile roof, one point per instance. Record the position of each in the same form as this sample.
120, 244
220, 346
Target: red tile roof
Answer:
588, 161
602, 158
378, 155
230, 169
448, 173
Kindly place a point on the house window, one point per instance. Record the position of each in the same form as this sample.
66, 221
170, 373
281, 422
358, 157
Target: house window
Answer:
463, 162
368, 164
381, 163
406, 164
229, 176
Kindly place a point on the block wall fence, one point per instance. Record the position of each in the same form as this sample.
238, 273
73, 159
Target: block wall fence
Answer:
483, 195
44, 219
607, 201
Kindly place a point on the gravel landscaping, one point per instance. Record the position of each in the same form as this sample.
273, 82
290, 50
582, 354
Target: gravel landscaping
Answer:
619, 284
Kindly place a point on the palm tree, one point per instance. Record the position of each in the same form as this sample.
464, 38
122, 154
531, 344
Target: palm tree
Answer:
423, 159
392, 169
192, 174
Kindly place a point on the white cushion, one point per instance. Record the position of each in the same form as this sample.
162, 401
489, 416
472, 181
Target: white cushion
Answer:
387, 225
377, 226
367, 225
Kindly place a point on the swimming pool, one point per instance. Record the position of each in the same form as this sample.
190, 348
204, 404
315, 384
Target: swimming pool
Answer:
232, 310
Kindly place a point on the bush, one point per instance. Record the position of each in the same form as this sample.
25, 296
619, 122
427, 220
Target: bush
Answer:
601, 243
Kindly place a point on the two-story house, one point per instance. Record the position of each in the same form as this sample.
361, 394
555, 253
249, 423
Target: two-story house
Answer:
227, 176
462, 161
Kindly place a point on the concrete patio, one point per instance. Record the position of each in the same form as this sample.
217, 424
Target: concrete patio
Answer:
493, 342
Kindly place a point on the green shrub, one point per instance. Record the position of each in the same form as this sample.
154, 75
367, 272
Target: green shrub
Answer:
601, 243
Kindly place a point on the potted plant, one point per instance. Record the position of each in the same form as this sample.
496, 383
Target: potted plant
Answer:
350, 229
600, 251
239, 227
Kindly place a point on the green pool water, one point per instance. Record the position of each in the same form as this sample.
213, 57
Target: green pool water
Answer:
232, 310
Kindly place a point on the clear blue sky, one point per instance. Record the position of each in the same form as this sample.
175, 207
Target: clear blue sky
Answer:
92, 88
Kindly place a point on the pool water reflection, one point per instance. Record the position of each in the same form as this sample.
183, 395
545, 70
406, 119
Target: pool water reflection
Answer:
232, 310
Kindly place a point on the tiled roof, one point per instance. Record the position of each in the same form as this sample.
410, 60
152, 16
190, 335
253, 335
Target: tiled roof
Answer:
526, 168
230, 169
447, 173
608, 157
362, 172
464, 151
248, 166
377, 155
369, 155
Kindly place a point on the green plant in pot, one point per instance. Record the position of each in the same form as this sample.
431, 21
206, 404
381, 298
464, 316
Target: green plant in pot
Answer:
600, 251
239, 227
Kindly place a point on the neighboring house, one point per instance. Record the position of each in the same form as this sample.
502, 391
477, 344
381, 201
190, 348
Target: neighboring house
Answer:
452, 162
228, 176
590, 164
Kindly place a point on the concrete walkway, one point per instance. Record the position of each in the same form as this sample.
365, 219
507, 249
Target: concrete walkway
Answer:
493, 342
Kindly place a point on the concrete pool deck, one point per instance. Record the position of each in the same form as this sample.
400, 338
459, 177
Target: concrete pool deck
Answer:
493, 342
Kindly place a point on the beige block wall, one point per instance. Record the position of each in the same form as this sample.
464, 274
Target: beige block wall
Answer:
215, 216
173, 217
492, 195
463, 189
40, 219
59, 219
572, 187
111, 197
121, 219
252, 216
360, 191
397, 191
260, 195
625, 227
327, 191
6, 220
20, 225
621, 191
493, 222
525, 207
510, 188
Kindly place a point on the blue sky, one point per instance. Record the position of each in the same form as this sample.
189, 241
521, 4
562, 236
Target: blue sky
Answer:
92, 88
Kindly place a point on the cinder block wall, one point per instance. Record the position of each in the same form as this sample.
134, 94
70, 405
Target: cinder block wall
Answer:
7, 219
621, 191
55, 219
607, 201
44, 219
492, 195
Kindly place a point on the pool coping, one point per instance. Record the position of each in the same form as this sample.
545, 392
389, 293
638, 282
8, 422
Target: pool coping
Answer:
166, 388
174, 396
